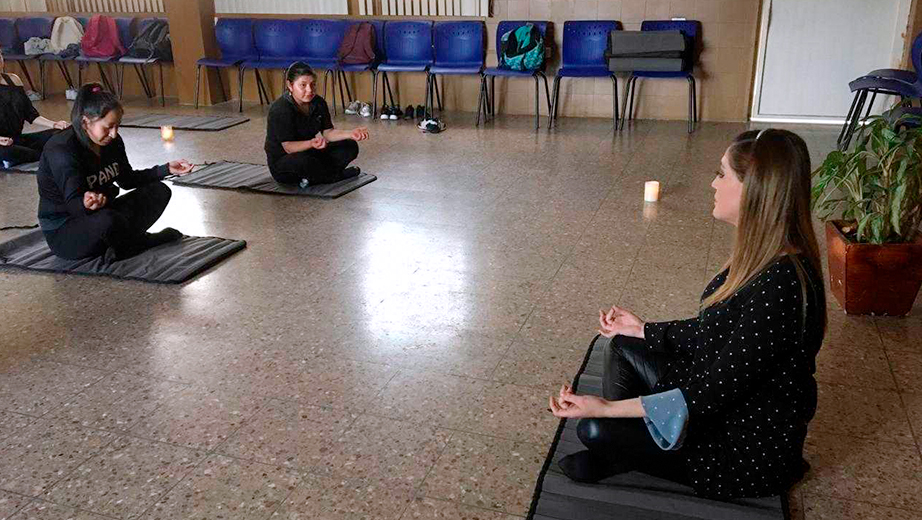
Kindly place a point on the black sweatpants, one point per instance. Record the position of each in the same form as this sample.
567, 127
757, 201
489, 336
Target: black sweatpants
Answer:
27, 147
631, 370
122, 224
317, 166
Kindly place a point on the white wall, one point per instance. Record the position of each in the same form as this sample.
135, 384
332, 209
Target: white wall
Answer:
282, 6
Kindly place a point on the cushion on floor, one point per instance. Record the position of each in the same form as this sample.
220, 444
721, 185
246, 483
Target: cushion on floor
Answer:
256, 177
181, 122
31, 167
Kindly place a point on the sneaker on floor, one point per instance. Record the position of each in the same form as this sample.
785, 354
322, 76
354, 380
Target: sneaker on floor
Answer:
420, 113
70, 94
396, 113
409, 113
354, 107
385, 112
365, 111
431, 126
303, 184
34, 96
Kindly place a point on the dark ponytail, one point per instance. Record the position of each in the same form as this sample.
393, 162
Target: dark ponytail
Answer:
93, 102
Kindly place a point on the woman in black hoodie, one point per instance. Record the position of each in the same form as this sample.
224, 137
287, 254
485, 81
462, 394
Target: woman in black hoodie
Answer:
79, 177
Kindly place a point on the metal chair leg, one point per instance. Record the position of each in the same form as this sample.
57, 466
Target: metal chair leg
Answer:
162, 86
691, 107
547, 94
240, 75
555, 90
493, 96
848, 117
340, 79
198, 80
438, 96
537, 109
374, 94
25, 72
614, 102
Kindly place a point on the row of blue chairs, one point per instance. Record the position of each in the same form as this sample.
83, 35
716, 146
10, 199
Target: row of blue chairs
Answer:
440, 48
15, 32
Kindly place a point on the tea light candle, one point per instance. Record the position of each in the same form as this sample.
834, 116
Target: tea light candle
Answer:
651, 191
166, 133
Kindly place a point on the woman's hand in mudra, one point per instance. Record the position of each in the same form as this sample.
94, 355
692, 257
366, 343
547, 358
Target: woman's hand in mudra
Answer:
6, 141
569, 405
60, 125
360, 134
620, 321
180, 167
93, 201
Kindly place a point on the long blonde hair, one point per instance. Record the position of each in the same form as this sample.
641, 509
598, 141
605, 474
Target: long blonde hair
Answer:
774, 220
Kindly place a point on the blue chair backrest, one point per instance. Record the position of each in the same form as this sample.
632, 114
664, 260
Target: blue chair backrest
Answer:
82, 20
459, 44
408, 43
585, 42
380, 50
8, 38
917, 55
276, 38
125, 26
690, 28
34, 27
320, 39
511, 25
235, 37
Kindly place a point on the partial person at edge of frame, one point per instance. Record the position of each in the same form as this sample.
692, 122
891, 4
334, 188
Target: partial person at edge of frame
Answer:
16, 109
80, 173
302, 147
720, 401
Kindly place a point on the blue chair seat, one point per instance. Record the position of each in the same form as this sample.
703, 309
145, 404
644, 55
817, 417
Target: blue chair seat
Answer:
661, 74
403, 67
138, 61
94, 59
55, 57
584, 72
892, 86
901, 75
497, 71
269, 64
464, 69
219, 62
20, 57
316, 63
355, 67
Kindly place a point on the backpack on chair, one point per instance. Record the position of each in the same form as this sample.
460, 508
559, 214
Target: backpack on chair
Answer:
101, 39
358, 45
523, 48
153, 42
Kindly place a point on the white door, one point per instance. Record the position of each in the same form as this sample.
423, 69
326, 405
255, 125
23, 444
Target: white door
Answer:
810, 49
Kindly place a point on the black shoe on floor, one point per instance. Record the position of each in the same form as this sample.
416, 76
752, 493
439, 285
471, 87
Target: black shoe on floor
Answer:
396, 113
409, 113
420, 113
385, 112
164, 236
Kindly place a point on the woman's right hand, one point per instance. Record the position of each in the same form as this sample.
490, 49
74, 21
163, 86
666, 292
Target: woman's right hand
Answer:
6, 141
93, 201
620, 321
319, 142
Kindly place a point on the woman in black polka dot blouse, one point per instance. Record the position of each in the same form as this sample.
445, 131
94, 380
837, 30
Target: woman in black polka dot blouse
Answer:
721, 401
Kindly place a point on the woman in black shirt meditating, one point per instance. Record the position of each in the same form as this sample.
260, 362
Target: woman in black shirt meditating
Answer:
302, 147
721, 401
81, 171
15, 109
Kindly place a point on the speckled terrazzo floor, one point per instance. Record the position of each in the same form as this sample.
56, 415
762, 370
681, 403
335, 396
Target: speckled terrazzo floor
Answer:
388, 354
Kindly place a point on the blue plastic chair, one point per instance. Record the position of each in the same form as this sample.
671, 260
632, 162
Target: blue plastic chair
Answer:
25, 28
277, 47
371, 66
690, 29
896, 82
125, 26
492, 72
9, 40
584, 46
459, 50
139, 63
236, 45
408, 48
318, 46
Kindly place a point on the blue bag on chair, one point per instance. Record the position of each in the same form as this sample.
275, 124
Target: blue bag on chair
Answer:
523, 48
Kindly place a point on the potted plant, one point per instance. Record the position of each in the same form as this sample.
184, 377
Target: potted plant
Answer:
871, 199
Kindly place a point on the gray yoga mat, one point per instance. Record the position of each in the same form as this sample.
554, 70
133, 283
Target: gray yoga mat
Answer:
170, 263
256, 177
181, 122
631, 495
31, 167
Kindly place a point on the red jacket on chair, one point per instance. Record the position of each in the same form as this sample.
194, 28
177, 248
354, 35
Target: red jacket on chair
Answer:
100, 39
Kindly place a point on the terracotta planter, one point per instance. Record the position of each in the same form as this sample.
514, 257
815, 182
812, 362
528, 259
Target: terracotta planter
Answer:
873, 279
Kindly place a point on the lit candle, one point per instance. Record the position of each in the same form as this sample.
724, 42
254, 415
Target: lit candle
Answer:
651, 191
166, 133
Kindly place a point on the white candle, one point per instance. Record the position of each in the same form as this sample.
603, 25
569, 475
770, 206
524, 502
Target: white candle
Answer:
166, 133
651, 191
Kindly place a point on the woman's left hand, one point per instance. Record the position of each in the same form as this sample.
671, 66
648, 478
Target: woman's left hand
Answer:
360, 134
180, 167
60, 125
569, 405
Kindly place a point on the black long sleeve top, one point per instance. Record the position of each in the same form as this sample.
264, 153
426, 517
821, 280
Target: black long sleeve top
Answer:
15, 109
745, 370
68, 169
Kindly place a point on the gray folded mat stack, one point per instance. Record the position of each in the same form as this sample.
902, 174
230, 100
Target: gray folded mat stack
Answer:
31, 167
631, 495
181, 122
658, 51
175, 262
256, 177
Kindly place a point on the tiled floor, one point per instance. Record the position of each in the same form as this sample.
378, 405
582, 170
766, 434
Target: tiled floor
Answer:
388, 354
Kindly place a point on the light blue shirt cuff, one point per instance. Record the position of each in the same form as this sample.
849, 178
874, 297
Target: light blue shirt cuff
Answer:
667, 417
